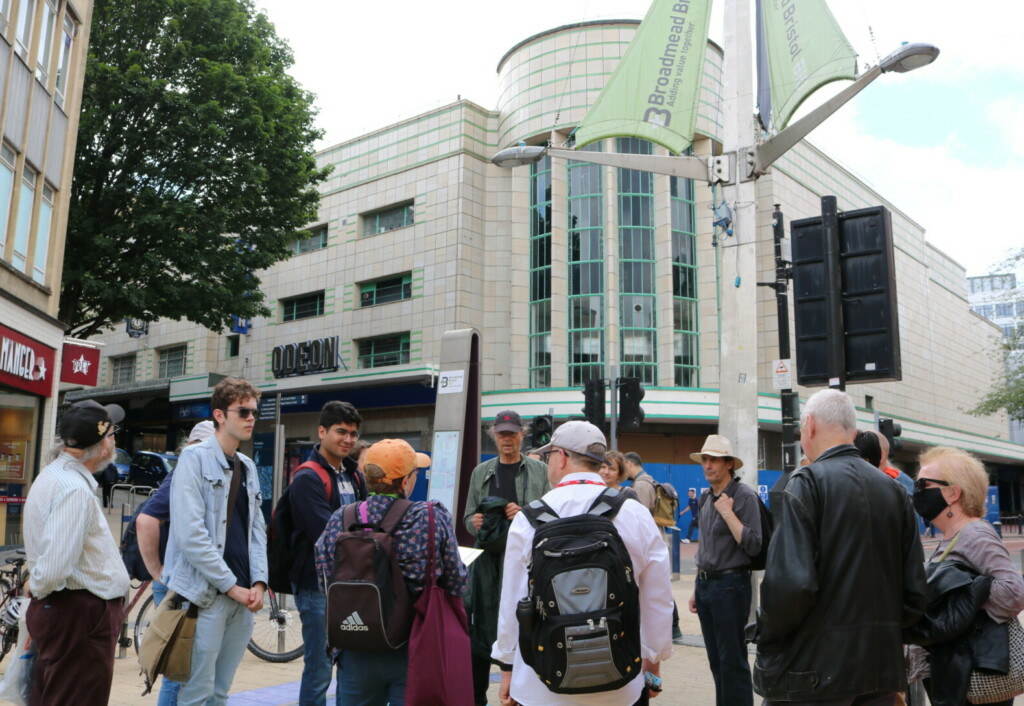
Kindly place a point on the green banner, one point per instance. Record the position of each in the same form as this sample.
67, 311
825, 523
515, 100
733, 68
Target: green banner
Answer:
653, 92
804, 49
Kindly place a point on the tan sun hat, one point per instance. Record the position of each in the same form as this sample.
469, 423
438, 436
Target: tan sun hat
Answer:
717, 445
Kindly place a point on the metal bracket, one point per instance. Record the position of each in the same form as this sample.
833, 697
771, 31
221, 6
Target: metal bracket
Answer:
749, 171
721, 169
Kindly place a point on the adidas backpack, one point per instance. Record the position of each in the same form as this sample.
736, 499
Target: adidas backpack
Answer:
369, 608
579, 629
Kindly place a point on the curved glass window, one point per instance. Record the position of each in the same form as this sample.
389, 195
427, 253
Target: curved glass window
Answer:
540, 273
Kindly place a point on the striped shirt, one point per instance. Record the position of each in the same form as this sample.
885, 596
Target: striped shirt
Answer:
68, 543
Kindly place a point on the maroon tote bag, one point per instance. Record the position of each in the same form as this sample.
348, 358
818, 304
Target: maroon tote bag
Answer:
439, 669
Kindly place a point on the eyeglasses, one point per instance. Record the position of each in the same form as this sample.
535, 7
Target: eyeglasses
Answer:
243, 412
113, 431
344, 434
547, 455
922, 483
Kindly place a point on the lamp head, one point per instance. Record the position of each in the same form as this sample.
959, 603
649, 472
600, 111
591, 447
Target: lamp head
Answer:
519, 155
909, 57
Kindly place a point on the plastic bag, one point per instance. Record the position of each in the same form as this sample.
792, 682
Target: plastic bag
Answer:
17, 680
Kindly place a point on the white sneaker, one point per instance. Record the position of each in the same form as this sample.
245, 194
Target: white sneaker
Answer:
686, 541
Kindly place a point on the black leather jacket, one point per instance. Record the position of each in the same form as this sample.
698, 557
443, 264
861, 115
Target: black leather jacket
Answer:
959, 635
844, 577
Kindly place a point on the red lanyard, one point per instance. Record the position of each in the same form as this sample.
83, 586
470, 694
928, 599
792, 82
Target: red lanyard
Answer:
580, 482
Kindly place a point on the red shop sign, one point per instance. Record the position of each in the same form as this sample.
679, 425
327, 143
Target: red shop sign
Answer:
26, 364
80, 364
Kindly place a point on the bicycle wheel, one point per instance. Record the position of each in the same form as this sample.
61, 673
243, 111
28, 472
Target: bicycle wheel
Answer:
142, 621
277, 633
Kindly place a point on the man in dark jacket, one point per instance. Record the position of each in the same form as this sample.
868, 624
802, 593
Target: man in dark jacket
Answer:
844, 576
313, 502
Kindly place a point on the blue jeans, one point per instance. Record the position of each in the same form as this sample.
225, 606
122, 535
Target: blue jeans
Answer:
372, 678
316, 670
222, 632
168, 689
723, 605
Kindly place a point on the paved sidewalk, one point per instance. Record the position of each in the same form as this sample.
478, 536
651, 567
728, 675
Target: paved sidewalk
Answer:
686, 676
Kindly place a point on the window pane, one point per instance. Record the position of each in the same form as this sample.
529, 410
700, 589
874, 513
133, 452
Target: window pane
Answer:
47, 31
172, 362
64, 58
42, 242
123, 369
26, 12
303, 307
388, 219
6, 189
383, 351
24, 222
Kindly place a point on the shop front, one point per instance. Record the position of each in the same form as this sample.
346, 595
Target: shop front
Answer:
26, 381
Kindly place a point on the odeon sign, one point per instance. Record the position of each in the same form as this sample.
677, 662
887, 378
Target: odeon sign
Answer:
319, 355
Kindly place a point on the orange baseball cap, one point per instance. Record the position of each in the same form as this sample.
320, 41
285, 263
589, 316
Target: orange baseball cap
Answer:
396, 458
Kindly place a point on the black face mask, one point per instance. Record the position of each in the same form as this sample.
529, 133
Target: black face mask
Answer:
929, 503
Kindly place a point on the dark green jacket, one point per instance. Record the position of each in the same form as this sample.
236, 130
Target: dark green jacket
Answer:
531, 484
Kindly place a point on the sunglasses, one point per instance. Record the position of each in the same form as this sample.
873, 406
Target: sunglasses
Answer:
922, 483
243, 412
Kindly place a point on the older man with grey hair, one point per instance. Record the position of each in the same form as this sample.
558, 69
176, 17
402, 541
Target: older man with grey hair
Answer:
76, 576
844, 576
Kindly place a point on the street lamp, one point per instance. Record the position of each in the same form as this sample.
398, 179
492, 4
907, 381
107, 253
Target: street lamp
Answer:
737, 168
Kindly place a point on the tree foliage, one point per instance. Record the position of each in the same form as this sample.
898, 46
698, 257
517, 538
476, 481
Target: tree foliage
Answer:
194, 166
1007, 392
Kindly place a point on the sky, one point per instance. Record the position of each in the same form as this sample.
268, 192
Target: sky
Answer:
944, 144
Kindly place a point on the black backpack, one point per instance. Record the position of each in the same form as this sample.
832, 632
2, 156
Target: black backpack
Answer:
369, 608
579, 629
760, 560
130, 554
280, 551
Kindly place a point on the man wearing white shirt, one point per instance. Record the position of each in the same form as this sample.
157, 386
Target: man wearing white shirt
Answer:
77, 579
573, 458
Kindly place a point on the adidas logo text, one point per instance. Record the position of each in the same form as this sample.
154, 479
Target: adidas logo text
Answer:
353, 622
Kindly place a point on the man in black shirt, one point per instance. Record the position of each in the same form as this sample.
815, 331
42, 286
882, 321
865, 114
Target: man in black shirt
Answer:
500, 485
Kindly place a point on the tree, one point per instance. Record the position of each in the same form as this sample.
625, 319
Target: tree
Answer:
194, 166
1007, 392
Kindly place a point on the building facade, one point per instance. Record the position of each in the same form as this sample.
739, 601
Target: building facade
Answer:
565, 268
998, 299
43, 46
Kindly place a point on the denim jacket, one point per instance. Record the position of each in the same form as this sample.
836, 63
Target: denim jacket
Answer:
195, 566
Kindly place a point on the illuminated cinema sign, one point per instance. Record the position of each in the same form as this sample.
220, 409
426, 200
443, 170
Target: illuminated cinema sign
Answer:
319, 355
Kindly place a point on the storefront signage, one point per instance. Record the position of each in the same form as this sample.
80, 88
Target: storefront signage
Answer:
268, 404
26, 364
80, 365
317, 356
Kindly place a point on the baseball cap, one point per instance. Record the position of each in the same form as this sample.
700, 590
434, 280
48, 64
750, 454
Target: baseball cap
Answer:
582, 437
508, 421
395, 457
201, 432
86, 423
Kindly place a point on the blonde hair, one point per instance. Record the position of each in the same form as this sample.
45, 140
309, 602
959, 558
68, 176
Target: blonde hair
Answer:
964, 471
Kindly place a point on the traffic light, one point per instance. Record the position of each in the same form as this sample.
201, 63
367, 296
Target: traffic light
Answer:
593, 402
540, 430
891, 430
631, 414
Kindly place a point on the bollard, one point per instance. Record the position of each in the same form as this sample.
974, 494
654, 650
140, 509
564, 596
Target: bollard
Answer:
675, 532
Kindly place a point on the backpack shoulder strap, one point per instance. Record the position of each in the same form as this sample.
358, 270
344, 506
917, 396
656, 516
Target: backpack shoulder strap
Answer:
703, 500
538, 513
349, 516
394, 515
607, 503
325, 477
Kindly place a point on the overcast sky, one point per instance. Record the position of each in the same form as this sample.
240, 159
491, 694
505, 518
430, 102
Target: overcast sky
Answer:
945, 144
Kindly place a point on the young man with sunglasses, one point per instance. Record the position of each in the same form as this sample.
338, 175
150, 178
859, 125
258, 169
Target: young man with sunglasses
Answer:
217, 549
325, 482
76, 576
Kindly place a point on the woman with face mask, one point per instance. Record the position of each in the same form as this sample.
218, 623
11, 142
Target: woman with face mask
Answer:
950, 492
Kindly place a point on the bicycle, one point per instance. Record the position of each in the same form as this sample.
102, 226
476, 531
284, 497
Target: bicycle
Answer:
276, 635
12, 585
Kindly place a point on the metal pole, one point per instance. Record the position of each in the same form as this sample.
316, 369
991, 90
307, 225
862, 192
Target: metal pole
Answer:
613, 390
790, 400
834, 298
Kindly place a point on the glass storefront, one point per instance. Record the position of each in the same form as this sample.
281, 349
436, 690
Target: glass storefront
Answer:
19, 423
